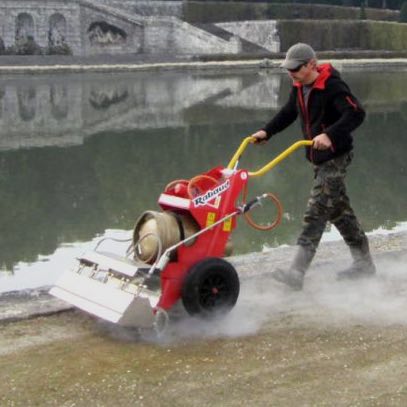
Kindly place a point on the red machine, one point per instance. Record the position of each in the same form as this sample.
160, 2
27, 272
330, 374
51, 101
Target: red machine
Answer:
200, 275
193, 269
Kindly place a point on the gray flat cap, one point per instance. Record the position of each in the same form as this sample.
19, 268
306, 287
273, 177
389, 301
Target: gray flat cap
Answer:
297, 55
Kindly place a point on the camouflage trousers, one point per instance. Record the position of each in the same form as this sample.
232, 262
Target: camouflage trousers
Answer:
329, 203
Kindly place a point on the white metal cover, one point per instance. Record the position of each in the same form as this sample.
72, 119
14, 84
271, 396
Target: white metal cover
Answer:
110, 261
105, 300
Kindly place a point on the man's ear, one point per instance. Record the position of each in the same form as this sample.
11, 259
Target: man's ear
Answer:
313, 63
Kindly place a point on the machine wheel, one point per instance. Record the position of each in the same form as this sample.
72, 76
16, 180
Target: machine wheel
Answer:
211, 287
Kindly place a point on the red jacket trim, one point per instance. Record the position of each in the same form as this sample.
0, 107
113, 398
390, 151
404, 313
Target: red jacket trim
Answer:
325, 71
351, 102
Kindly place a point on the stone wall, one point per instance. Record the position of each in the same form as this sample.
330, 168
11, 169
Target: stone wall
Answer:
41, 14
148, 8
113, 27
170, 35
92, 27
262, 33
109, 31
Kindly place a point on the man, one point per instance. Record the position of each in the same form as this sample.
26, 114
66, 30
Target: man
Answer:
328, 113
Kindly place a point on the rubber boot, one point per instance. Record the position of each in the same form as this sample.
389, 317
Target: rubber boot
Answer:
294, 276
362, 265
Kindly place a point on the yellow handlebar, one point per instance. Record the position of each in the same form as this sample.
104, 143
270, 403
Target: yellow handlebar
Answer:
273, 162
240, 150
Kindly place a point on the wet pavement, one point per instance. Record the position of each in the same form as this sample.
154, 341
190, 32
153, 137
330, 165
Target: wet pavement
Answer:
334, 343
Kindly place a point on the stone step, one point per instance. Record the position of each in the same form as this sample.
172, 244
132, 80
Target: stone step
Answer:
247, 46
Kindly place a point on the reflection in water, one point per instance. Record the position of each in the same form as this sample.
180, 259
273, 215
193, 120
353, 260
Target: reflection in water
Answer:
1, 102
59, 101
98, 150
104, 98
26, 103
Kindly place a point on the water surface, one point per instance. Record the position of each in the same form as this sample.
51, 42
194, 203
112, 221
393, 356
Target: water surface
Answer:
82, 156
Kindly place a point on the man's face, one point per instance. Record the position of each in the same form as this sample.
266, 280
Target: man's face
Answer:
302, 73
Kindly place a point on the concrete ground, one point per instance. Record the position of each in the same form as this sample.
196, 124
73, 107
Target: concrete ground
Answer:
334, 343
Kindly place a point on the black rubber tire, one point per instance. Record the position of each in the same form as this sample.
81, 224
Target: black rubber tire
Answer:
210, 288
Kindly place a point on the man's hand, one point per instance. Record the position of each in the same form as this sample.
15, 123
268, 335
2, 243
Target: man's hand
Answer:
260, 136
322, 142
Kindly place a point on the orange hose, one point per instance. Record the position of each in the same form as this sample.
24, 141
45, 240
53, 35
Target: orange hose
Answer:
277, 220
198, 190
175, 182
193, 190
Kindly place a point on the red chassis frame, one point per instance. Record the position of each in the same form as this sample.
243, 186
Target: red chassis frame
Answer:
208, 207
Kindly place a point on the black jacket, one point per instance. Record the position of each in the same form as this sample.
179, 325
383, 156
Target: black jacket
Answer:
331, 109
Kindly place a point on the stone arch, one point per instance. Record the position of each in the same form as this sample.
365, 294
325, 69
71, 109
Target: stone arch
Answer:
102, 33
57, 30
24, 28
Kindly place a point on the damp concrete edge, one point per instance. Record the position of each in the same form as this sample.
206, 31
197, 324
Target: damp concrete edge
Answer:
32, 303
371, 64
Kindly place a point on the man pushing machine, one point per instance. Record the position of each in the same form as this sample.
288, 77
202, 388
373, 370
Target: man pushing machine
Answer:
328, 112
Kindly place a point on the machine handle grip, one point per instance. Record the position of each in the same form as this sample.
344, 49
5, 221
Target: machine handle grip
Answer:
246, 141
272, 163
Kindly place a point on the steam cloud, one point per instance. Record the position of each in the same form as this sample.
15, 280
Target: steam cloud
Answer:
381, 300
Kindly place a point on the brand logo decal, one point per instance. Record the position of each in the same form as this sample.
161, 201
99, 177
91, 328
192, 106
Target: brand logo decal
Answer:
211, 194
